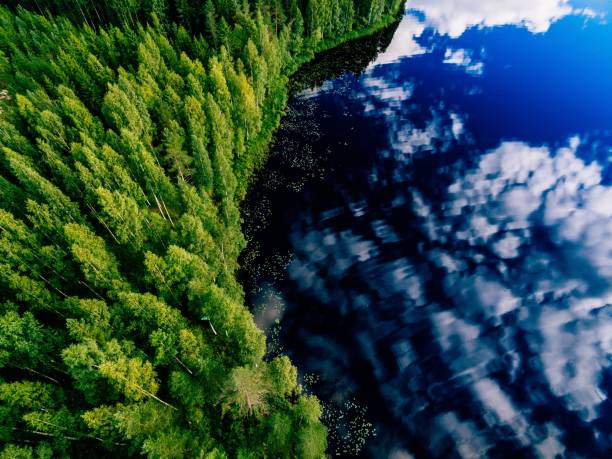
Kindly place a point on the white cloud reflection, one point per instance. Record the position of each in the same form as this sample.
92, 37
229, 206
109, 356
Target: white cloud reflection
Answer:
518, 187
454, 17
522, 180
539, 315
463, 58
403, 44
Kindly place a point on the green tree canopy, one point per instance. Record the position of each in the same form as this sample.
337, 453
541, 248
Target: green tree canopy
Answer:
129, 132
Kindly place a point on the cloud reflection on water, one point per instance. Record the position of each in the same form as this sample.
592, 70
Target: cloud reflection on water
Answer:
512, 278
454, 17
520, 189
404, 43
519, 255
463, 58
478, 303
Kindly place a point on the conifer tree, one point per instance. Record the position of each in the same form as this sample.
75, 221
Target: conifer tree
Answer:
128, 134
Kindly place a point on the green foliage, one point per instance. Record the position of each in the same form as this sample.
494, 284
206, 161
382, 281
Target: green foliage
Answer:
128, 134
246, 392
22, 340
283, 376
42, 451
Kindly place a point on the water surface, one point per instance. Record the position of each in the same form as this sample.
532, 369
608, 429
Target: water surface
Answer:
433, 244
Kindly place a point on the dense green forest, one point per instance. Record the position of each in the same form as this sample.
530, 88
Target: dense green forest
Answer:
128, 133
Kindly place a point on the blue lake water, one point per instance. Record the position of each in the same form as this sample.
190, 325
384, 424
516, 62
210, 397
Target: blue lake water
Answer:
436, 252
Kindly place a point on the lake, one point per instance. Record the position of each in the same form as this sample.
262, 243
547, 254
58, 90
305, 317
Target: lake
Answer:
431, 240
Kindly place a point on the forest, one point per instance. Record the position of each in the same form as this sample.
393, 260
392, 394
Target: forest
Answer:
129, 130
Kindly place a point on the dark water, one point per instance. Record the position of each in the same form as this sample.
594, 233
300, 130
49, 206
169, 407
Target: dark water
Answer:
431, 241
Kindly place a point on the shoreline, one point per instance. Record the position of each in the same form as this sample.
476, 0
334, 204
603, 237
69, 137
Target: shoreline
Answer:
272, 118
